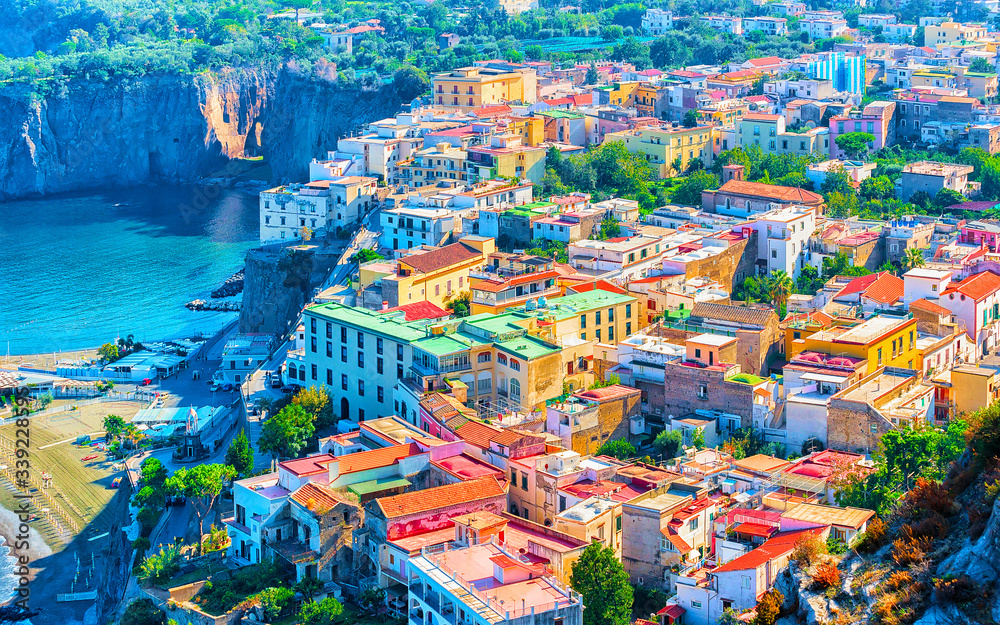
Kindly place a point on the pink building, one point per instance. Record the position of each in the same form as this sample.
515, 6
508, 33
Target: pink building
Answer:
875, 119
980, 233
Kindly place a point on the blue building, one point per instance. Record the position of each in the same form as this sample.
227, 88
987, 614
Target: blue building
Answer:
845, 71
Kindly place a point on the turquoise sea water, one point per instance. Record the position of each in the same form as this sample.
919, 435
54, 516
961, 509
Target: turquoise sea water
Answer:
79, 270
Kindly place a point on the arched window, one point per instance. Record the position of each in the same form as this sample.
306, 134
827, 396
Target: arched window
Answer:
502, 359
485, 357
515, 388
515, 365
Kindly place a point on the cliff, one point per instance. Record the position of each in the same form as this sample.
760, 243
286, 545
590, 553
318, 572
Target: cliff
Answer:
174, 129
277, 285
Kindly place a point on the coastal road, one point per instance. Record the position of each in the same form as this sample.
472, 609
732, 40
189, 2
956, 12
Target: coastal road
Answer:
366, 238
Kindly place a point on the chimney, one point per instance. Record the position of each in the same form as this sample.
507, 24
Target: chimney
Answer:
385, 305
732, 172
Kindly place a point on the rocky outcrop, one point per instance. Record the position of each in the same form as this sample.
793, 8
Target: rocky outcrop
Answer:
277, 285
174, 129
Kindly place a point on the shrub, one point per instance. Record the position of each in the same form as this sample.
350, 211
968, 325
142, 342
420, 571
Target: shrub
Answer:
928, 497
835, 546
143, 612
769, 607
160, 567
934, 526
959, 589
827, 575
808, 549
873, 538
898, 580
909, 549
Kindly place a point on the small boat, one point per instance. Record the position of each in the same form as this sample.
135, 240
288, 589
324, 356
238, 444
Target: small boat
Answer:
91, 457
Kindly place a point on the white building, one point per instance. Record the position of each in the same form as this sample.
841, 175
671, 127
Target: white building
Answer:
288, 212
724, 23
775, 26
975, 301
876, 20
242, 354
657, 22
824, 28
783, 239
626, 260
899, 33
921, 283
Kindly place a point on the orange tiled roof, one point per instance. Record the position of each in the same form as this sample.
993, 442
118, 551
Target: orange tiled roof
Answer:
772, 192
929, 306
375, 458
315, 497
440, 497
774, 548
441, 258
977, 287
886, 289
481, 434
679, 543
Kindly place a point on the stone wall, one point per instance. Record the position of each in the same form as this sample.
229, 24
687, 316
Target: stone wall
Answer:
849, 426
681, 386
277, 284
610, 421
734, 264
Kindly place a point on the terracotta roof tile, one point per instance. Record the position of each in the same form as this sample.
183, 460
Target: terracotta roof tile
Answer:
376, 458
772, 192
679, 543
441, 258
886, 289
977, 286
440, 497
481, 434
771, 549
316, 498
929, 306
761, 463
738, 314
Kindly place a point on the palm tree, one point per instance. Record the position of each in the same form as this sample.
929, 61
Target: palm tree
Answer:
913, 258
676, 165
779, 287
129, 342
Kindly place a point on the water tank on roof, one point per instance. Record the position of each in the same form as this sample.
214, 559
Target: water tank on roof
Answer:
529, 305
541, 302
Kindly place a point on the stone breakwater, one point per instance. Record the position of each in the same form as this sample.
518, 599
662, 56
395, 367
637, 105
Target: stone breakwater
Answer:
232, 286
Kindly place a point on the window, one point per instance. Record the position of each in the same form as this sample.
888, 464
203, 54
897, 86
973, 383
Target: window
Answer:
502, 359
361, 340
697, 353
516, 366
329, 349
399, 371
880, 355
693, 524
378, 346
513, 476
361, 417
399, 352
361, 388
583, 321
524, 481
361, 359
628, 328
312, 325
312, 344
628, 310
343, 353
702, 391
343, 381
696, 605
314, 370
611, 315
484, 357
329, 330
380, 392
597, 318
597, 334
378, 365
515, 388
611, 333
343, 335
745, 581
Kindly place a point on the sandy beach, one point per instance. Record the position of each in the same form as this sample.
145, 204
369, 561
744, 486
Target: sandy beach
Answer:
47, 360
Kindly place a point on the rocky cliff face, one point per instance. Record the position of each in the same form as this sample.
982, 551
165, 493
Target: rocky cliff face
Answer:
173, 129
277, 285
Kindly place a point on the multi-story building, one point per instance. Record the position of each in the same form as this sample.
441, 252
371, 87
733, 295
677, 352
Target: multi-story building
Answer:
507, 158
768, 132
473, 87
774, 26
487, 584
724, 23
741, 198
510, 280
823, 28
411, 225
627, 259
876, 119
931, 177
974, 302
882, 341
947, 33
876, 20
657, 22
846, 71
666, 146
589, 418
899, 33
296, 211
428, 166
242, 355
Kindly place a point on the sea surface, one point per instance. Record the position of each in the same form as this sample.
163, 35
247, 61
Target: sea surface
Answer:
80, 270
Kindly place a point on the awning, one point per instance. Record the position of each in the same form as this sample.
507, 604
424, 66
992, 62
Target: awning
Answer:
672, 610
754, 529
822, 377
374, 486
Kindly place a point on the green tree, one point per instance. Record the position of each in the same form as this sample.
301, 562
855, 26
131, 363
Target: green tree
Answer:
779, 287
841, 205
855, 144
365, 255
982, 66
592, 77
410, 82
688, 192
913, 258
618, 448
285, 434
877, 188
698, 438
769, 607
599, 576
274, 600
153, 473
808, 282
240, 455
201, 484
609, 229
308, 587
108, 352
325, 612
113, 427
668, 443
837, 180
948, 197
143, 612
315, 400
690, 118
461, 305
160, 567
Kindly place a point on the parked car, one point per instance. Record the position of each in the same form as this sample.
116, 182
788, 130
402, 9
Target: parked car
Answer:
276, 383
215, 386
146, 382
290, 388
227, 387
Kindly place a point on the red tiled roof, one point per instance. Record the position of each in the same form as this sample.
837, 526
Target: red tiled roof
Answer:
767, 60
754, 529
679, 543
376, 458
976, 286
481, 434
772, 192
859, 284
440, 497
672, 610
492, 111
593, 285
929, 306
774, 548
419, 310
316, 497
441, 258
608, 392
887, 289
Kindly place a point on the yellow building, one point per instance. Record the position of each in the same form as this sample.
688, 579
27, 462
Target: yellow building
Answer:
973, 388
952, 32
437, 276
530, 129
883, 341
431, 165
619, 94
933, 78
506, 159
473, 87
662, 146
646, 98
